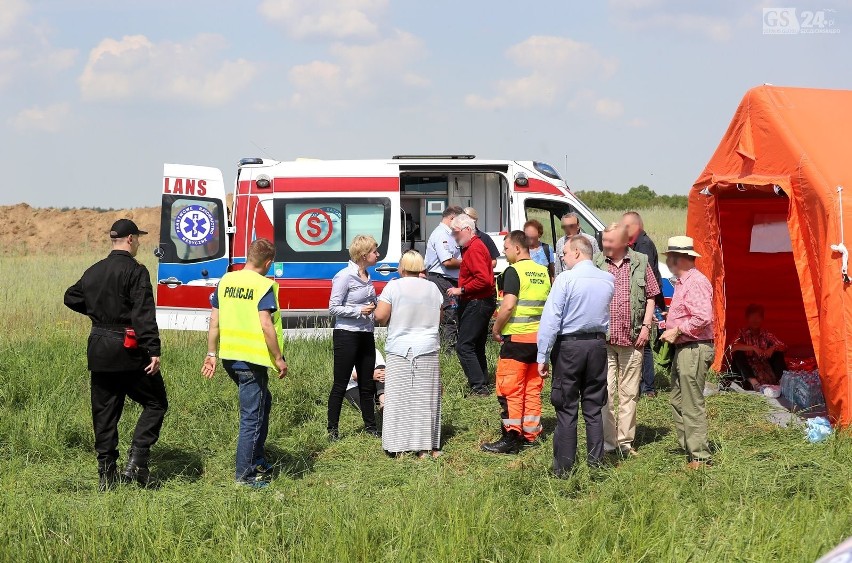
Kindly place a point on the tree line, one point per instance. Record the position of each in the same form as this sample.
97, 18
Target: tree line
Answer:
637, 197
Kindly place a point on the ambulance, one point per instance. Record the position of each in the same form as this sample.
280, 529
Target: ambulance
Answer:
311, 210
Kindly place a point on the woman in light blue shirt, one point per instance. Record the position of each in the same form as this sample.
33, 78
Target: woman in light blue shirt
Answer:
352, 302
411, 306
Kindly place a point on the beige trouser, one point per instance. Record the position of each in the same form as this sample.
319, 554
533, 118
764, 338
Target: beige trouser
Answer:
624, 373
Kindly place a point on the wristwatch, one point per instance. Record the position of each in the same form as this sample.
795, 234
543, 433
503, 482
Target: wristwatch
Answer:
462, 290
211, 354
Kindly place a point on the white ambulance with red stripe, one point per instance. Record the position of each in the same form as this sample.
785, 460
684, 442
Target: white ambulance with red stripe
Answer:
311, 210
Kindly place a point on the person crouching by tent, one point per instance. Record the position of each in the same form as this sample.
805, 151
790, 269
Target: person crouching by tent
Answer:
758, 356
689, 327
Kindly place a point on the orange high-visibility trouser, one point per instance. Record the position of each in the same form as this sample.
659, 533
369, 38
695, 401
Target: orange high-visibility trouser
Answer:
519, 393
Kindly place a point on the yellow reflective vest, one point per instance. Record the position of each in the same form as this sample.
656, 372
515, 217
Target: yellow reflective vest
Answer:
535, 287
240, 334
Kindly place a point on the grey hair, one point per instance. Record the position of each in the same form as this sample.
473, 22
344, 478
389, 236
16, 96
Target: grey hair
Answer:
572, 215
464, 222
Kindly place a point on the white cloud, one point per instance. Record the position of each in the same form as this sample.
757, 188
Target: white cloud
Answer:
554, 66
325, 19
356, 72
135, 68
26, 53
608, 108
650, 15
48, 119
12, 14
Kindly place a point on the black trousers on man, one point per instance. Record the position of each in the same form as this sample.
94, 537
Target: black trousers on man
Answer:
579, 377
474, 318
777, 362
109, 390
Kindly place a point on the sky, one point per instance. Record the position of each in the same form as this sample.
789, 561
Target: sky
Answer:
98, 94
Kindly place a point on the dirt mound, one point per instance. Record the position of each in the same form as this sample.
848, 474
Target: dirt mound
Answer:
31, 229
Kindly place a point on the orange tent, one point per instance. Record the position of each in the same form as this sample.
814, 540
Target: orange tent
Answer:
767, 218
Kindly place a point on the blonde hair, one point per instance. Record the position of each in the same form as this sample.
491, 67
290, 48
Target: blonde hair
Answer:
361, 246
616, 227
411, 263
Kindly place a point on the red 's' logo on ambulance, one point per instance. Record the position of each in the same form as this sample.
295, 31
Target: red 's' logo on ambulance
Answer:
184, 186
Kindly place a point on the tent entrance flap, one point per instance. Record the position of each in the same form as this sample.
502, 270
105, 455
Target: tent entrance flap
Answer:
759, 268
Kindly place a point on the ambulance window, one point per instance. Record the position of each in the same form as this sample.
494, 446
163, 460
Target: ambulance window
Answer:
313, 228
365, 220
191, 229
320, 230
549, 214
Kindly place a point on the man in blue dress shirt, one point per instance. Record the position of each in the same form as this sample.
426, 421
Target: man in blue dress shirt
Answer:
573, 333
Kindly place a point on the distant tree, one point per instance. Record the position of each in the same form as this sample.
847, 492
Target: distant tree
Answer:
637, 197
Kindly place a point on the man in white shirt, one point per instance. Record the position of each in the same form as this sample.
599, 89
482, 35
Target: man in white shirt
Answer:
443, 259
571, 227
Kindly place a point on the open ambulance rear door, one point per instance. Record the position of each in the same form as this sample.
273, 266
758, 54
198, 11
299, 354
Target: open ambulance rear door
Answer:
193, 248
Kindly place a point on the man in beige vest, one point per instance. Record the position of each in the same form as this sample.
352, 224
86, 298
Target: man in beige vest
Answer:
631, 313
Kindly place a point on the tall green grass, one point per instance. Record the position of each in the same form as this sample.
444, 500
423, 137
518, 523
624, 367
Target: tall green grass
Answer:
770, 497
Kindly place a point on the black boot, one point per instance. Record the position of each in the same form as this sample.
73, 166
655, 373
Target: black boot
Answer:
136, 470
510, 443
107, 475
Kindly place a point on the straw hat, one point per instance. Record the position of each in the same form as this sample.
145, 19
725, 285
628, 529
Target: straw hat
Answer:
681, 245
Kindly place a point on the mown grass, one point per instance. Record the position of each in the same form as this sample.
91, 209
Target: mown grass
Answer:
770, 497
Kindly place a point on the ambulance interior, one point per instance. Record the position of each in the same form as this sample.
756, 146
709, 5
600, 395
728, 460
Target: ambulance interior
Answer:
425, 194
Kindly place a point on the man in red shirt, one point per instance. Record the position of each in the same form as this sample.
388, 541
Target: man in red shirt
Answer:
476, 303
689, 327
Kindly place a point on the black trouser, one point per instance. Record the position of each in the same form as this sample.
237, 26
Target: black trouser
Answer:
353, 350
109, 390
579, 374
741, 365
474, 316
449, 315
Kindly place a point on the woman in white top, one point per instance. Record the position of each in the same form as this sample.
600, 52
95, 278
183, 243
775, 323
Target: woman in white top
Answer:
411, 307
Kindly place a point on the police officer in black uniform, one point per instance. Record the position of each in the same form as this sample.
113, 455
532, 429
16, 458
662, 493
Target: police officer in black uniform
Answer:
123, 353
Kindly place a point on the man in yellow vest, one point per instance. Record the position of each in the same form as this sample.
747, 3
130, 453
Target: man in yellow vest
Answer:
525, 287
245, 326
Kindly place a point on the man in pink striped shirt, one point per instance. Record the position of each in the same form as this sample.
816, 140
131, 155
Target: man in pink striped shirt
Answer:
689, 327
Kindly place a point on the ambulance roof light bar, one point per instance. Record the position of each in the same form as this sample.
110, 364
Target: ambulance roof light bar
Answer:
434, 157
255, 160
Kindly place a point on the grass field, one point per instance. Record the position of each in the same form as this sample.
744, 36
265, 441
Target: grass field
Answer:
770, 497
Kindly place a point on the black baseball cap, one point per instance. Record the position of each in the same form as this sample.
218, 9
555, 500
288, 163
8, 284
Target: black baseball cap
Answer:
124, 228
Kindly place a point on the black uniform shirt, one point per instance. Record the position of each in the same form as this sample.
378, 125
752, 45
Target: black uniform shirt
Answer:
116, 294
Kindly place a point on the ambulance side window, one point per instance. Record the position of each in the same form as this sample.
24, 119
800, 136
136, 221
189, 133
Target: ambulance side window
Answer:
191, 229
320, 230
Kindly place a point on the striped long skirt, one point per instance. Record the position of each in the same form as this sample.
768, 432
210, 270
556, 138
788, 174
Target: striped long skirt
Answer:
411, 420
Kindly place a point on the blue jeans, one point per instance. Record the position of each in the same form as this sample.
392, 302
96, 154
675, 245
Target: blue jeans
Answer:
255, 403
648, 374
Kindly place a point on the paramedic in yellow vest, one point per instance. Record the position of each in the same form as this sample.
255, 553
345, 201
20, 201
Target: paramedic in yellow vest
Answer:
525, 288
245, 326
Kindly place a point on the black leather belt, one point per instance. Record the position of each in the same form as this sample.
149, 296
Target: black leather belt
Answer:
581, 336
694, 343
